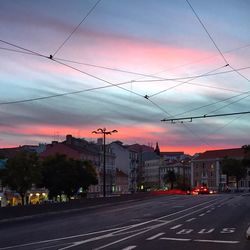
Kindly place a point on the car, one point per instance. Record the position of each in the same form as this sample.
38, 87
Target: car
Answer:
199, 190
203, 190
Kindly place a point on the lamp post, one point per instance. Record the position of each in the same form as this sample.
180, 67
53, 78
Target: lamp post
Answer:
104, 132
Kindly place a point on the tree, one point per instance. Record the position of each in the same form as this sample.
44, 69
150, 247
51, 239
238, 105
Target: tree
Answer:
234, 167
62, 175
21, 172
246, 159
170, 177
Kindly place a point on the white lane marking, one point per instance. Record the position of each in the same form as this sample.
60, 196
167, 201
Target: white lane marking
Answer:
228, 230
155, 236
219, 241
208, 211
66, 238
154, 227
204, 231
175, 227
162, 221
185, 231
190, 219
129, 247
248, 233
201, 215
175, 239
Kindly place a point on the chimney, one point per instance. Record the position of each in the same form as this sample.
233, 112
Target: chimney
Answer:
69, 139
99, 141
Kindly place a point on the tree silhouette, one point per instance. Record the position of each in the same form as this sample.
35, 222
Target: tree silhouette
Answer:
62, 175
234, 167
20, 173
170, 177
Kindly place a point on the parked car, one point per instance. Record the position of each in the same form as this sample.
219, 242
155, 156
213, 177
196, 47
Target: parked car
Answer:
200, 190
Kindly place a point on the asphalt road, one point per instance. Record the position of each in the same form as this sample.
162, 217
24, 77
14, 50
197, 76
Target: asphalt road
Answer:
164, 222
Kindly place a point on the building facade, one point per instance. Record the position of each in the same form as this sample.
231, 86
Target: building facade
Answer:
206, 170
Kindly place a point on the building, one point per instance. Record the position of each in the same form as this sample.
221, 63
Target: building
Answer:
182, 170
126, 160
206, 169
152, 173
80, 149
143, 152
173, 156
121, 182
156, 169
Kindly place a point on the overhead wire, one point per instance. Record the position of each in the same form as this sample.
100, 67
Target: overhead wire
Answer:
182, 83
226, 105
73, 68
154, 75
130, 72
59, 95
22, 48
31, 52
194, 76
214, 103
18, 51
123, 70
191, 118
213, 41
97, 78
226, 124
204, 27
74, 92
107, 68
74, 30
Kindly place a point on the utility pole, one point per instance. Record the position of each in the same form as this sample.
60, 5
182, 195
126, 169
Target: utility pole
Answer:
104, 132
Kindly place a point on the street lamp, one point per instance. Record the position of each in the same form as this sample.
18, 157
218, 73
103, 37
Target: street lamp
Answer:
104, 132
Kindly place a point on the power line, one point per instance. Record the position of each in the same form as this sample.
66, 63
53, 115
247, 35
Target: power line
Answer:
191, 118
225, 125
71, 67
162, 91
195, 76
97, 78
156, 105
125, 71
59, 95
207, 105
146, 75
89, 12
22, 48
108, 68
213, 41
122, 70
229, 104
166, 112
18, 51
204, 27
237, 71
31, 52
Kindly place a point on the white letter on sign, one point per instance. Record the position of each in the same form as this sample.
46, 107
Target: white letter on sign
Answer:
203, 231
227, 230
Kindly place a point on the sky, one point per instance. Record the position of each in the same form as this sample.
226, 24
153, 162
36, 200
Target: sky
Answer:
125, 65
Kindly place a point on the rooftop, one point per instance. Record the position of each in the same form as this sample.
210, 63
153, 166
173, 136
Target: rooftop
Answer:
222, 153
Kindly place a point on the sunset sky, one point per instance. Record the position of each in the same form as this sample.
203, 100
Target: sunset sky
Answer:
148, 47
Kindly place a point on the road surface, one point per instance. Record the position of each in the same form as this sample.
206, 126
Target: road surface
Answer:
163, 222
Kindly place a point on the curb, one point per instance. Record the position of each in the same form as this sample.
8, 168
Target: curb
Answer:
248, 233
